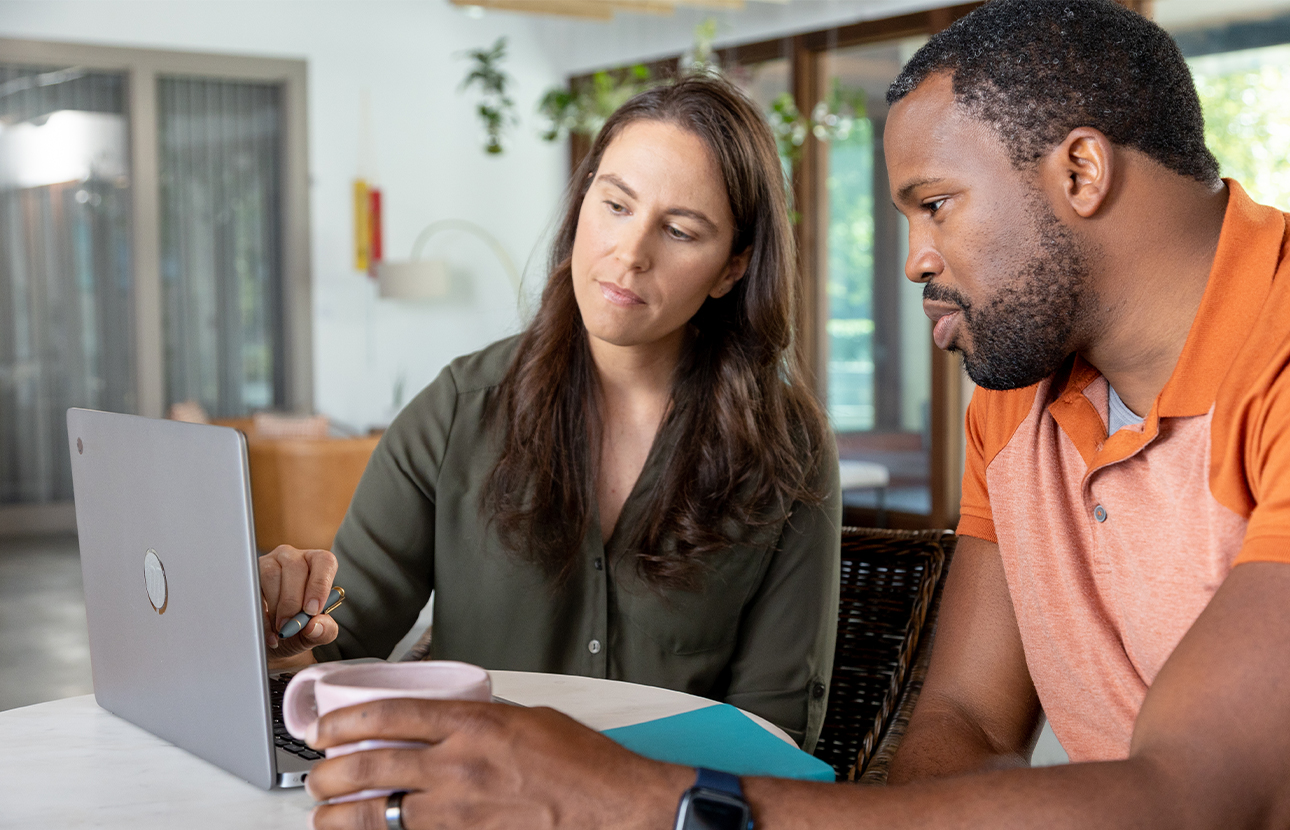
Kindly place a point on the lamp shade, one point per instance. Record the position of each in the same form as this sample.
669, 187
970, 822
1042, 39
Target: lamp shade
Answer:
422, 280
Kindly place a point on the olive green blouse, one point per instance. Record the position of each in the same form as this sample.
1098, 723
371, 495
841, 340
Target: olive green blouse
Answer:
758, 635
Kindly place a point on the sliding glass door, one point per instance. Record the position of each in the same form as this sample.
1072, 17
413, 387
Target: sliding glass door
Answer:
153, 248
66, 298
221, 260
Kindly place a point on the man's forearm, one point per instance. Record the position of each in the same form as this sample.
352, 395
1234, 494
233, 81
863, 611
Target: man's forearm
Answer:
941, 742
1133, 793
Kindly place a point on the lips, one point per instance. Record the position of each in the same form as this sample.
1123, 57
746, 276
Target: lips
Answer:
945, 318
619, 296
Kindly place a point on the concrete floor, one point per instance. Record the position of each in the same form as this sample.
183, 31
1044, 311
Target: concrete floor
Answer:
44, 649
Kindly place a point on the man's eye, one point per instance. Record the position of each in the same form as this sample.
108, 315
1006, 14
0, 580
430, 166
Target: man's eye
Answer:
934, 206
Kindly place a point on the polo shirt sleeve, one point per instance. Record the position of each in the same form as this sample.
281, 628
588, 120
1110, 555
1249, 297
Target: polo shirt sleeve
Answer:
385, 545
1264, 487
975, 518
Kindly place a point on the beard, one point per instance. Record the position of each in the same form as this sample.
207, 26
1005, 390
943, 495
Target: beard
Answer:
1025, 332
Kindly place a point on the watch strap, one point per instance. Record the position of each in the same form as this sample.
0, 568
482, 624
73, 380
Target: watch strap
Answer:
711, 779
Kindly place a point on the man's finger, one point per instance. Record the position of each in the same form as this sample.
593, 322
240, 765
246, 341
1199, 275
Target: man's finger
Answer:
371, 769
430, 721
322, 571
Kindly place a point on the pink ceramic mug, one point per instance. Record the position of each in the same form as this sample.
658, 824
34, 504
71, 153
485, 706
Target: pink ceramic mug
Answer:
325, 687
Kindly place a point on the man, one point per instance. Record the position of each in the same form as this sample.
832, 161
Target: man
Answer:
1124, 560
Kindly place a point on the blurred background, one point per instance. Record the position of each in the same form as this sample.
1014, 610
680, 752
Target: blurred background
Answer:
258, 212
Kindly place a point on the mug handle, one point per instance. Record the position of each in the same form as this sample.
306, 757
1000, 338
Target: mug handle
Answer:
299, 706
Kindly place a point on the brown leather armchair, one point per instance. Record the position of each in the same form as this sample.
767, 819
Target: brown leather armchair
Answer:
301, 487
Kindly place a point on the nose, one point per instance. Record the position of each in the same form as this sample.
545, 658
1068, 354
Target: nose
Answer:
632, 247
924, 262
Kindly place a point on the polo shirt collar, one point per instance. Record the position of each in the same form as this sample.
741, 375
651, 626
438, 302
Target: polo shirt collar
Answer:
1249, 248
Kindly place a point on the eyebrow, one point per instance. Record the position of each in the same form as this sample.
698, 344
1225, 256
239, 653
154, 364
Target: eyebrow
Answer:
903, 194
696, 215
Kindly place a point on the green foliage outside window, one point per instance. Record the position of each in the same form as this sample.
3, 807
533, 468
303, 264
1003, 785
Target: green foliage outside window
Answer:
1246, 99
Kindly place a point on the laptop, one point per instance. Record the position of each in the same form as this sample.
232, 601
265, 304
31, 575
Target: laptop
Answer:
172, 590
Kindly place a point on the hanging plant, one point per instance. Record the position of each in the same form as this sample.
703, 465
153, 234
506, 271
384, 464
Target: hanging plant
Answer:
831, 119
584, 110
496, 109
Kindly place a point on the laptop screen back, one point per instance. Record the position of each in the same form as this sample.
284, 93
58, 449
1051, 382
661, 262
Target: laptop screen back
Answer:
172, 596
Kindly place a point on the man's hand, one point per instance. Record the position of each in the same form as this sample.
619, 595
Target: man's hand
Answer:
292, 581
488, 765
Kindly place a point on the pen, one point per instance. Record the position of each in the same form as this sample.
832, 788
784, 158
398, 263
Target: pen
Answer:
292, 626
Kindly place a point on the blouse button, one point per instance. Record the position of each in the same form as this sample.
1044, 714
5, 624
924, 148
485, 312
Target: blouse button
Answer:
1099, 513
594, 646
600, 566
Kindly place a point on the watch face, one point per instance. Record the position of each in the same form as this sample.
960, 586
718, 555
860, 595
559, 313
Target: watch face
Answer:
707, 813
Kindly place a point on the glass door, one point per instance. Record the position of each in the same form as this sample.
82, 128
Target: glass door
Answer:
879, 349
220, 166
66, 287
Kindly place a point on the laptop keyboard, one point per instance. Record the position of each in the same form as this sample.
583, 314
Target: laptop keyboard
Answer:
281, 737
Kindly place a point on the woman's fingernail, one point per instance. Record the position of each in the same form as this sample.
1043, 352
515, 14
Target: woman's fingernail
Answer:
315, 629
311, 734
311, 818
273, 641
312, 607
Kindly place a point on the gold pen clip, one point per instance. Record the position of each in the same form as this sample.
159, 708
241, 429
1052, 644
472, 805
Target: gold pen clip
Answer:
339, 590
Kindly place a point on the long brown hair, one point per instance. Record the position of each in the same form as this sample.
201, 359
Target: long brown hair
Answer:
750, 431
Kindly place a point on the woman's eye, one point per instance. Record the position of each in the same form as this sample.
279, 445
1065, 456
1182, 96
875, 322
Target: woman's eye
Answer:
614, 207
677, 233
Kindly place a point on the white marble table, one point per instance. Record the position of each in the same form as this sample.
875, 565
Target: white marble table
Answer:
70, 764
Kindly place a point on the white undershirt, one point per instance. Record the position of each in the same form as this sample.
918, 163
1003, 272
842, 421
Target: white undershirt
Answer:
1119, 415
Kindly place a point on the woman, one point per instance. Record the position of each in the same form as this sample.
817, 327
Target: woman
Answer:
640, 486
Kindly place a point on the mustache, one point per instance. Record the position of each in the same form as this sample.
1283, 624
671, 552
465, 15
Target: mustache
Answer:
938, 293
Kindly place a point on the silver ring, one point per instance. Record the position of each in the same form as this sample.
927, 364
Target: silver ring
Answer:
394, 811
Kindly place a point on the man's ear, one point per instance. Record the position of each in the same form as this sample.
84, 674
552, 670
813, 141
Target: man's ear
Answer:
735, 270
1082, 167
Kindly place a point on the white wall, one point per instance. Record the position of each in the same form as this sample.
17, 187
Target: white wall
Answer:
428, 154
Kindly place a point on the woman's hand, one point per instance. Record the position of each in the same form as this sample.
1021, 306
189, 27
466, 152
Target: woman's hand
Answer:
292, 581
488, 765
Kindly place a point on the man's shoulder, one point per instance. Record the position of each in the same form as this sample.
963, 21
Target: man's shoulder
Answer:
994, 415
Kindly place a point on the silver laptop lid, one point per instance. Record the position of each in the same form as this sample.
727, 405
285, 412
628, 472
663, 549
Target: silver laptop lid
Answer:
172, 590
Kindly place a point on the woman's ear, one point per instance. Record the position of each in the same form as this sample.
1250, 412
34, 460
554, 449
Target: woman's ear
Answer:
1082, 167
734, 272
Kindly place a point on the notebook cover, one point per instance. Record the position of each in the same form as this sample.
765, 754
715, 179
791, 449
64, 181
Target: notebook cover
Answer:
720, 737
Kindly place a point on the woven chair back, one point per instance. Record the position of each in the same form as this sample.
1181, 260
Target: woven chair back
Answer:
890, 593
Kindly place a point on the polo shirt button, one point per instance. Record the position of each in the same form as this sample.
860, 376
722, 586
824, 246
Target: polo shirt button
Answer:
600, 566
1099, 513
594, 646
818, 690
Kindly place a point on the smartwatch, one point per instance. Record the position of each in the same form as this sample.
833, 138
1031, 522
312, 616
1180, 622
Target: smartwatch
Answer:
715, 802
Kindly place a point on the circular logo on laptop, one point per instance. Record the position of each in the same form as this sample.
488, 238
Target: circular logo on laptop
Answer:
154, 579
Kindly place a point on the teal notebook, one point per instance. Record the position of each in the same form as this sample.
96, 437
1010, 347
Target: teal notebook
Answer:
720, 737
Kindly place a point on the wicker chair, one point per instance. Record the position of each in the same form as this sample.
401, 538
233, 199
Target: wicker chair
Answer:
891, 590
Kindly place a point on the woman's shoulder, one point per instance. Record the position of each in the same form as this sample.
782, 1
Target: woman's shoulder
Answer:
484, 369
469, 374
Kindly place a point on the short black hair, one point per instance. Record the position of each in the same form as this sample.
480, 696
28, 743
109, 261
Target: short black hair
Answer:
1037, 69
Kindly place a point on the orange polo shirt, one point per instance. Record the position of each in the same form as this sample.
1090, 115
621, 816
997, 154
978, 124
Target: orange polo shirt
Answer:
1113, 546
